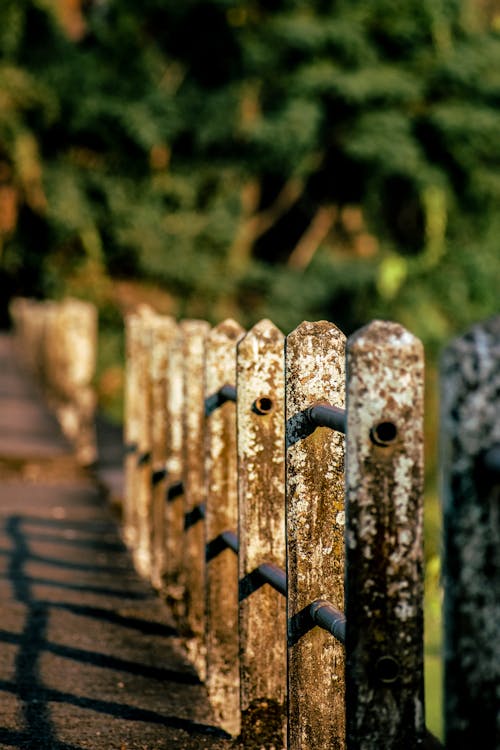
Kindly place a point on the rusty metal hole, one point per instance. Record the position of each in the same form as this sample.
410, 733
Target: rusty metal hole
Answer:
387, 669
263, 405
384, 433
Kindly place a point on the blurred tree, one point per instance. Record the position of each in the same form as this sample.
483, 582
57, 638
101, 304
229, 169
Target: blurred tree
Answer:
275, 157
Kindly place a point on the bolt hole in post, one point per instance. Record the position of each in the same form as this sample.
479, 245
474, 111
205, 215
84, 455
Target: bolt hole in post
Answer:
263, 405
387, 669
384, 434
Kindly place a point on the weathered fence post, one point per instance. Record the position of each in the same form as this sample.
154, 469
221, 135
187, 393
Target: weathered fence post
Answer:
261, 475
138, 437
164, 331
70, 358
58, 343
222, 516
471, 498
29, 318
174, 500
315, 361
194, 337
384, 555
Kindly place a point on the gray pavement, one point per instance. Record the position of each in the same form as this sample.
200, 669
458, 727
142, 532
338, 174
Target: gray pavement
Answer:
89, 655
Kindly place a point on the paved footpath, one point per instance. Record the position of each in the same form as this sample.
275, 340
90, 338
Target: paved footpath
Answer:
89, 655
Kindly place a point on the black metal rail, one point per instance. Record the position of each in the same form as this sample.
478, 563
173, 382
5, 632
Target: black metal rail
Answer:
324, 415
213, 402
322, 612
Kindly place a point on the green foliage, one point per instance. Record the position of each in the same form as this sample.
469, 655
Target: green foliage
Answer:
195, 144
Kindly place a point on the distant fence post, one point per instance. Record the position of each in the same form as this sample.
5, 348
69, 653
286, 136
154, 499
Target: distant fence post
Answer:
71, 351
384, 539
470, 394
58, 342
194, 334
261, 476
222, 516
164, 331
315, 355
138, 437
30, 318
174, 500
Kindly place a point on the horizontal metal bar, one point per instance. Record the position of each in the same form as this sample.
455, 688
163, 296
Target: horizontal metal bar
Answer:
230, 540
228, 393
325, 415
213, 402
194, 515
174, 491
144, 458
158, 475
327, 617
275, 576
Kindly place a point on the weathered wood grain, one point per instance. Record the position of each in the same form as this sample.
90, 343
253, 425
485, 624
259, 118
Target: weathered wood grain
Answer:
384, 539
315, 361
261, 493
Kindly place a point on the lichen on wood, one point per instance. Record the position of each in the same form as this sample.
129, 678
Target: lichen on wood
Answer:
222, 515
261, 491
194, 334
384, 539
314, 369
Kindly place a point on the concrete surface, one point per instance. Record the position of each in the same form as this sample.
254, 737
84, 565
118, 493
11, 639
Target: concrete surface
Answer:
89, 656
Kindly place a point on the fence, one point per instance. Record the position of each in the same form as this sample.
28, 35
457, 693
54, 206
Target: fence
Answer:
273, 495
235, 445
57, 342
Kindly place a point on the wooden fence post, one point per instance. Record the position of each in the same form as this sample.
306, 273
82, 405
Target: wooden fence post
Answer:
174, 505
194, 337
470, 445
222, 516
164, 331
58, 343
261, 492
131, 427
138, 437
384, 539
70, 362
29, 318
315, 362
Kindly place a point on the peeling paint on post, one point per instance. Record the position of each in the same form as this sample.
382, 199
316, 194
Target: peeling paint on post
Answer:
384, 544
470, 379
194, 337
164, 331
222, 515
261, 492
315, 536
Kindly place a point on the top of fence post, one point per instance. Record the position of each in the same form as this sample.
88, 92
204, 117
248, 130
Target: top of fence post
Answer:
470, 388
384, 539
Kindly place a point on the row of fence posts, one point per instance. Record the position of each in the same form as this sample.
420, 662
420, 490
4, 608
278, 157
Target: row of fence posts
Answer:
206, 418
262, 525
57, 343
293, 555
